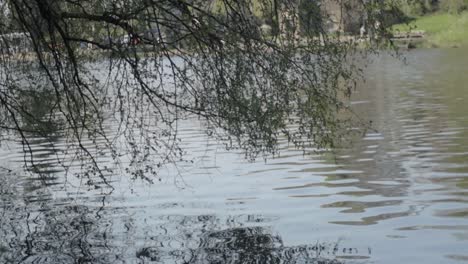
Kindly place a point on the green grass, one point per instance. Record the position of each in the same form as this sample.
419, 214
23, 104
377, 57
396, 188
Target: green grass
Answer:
442, 30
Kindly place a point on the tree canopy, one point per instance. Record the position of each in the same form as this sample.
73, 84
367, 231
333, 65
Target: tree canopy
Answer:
146, 64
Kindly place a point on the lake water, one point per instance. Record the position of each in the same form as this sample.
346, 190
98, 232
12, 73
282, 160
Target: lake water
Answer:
398, 194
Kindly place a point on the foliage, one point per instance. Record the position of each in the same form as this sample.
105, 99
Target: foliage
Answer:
414, 7
310, 17
157, 62
454, 6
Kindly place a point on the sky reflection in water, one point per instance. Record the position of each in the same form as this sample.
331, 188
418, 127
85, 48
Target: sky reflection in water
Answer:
399, 194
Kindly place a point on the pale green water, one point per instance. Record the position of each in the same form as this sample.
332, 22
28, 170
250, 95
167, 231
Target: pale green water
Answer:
398, 195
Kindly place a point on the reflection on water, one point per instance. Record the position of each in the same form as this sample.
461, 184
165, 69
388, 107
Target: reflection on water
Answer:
40, 229
397, 194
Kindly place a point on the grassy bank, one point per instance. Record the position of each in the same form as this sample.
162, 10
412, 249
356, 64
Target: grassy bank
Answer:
442, 30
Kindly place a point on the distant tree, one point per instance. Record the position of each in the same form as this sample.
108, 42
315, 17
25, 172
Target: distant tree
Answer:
417, 7
454, 6
154, 62
310, 18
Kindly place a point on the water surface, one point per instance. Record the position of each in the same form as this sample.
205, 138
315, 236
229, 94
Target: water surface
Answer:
398, 194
